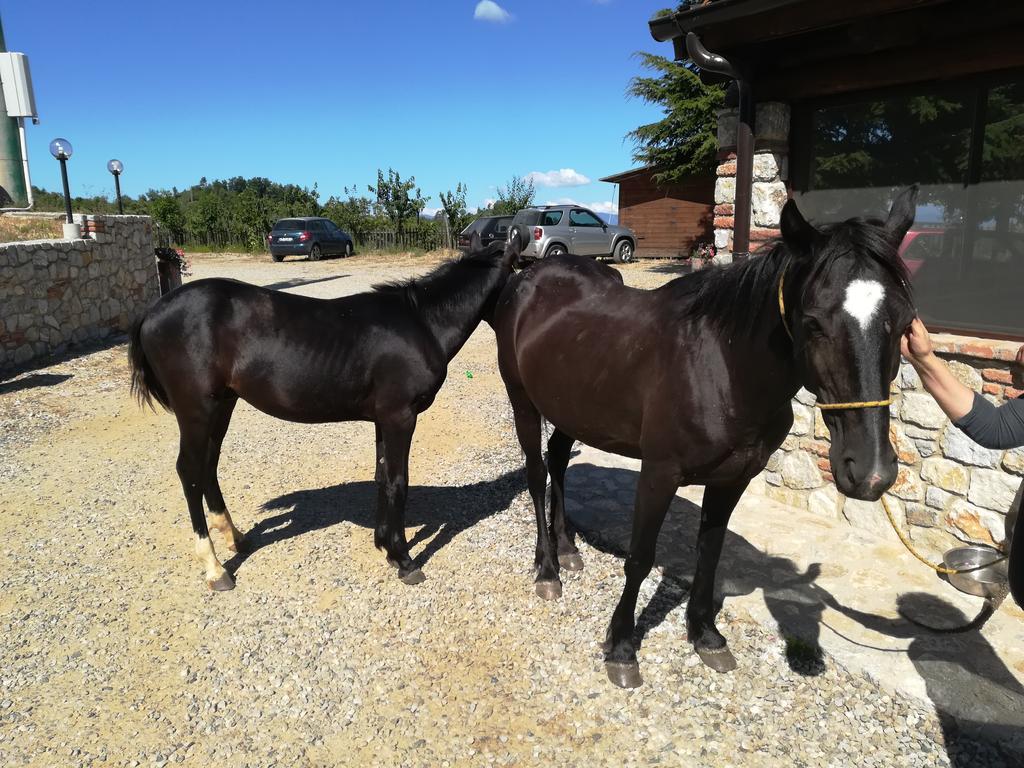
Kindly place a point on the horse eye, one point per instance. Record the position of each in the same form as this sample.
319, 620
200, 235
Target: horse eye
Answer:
813, 328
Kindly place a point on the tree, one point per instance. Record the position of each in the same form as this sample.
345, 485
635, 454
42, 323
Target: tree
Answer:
513, 198
353, 214
453, 207
393, 198
684, 142
166, 211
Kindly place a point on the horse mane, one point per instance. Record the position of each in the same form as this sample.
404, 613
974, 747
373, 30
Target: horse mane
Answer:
732, 297
444, 287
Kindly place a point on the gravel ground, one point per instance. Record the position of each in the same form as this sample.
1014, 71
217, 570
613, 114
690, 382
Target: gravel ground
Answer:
114, 653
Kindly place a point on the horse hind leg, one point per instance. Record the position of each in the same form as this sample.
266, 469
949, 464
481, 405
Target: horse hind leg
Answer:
192, 454
559, 450
528, 428
220, 518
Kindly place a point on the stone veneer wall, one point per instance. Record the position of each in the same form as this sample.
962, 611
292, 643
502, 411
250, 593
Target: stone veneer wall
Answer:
771, 169
948, 490
54, 293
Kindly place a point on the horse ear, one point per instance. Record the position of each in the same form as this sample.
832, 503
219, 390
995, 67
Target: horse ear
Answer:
796, 231
901, 215
475, 244
514, 247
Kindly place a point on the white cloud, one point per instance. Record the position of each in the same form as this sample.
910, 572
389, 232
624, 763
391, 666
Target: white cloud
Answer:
564, 177
430, 212
601, 206
488, 202
488, 10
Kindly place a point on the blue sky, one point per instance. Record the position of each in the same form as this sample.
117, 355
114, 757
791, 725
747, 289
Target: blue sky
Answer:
327, 92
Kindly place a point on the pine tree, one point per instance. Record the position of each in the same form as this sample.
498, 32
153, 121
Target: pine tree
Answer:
685, 141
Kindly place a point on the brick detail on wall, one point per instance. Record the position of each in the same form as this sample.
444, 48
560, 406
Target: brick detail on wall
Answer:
770, 171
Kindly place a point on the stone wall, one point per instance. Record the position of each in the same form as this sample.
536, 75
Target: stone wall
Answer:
948, 490
55, 293
771, 169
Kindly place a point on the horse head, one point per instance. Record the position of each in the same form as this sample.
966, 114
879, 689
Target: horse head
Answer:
852, 305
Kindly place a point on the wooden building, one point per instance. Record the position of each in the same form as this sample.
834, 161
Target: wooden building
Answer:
668, 220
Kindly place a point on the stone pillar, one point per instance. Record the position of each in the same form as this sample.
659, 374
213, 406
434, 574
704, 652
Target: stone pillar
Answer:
771, 170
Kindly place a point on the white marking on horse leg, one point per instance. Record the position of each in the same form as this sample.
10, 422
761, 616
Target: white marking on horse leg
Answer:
863, 297
222, 522
213, 571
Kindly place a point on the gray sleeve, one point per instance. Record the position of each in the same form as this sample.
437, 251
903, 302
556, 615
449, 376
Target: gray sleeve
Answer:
993, 427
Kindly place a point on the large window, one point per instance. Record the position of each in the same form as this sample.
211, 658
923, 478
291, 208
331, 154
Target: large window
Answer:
964, 144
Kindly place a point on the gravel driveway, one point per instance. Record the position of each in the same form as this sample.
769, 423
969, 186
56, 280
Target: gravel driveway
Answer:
114, 652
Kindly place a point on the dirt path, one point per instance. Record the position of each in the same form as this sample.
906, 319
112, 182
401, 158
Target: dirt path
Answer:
114, 653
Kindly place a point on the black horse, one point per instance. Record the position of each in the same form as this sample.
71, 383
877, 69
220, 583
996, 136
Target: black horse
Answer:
380, 356
696, 379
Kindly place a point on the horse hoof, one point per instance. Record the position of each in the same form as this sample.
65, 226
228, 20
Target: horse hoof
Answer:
222, 583
392, 563
719, 659
549, 590
571, 562
625, 674
415, 576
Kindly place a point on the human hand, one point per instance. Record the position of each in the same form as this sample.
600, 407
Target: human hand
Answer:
916, 344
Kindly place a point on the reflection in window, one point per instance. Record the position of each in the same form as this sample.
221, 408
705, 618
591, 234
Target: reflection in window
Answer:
966, 248
580, 218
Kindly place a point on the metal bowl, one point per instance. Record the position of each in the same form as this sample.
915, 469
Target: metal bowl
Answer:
986, 579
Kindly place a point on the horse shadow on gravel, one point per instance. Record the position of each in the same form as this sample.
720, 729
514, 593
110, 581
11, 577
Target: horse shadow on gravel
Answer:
600, 506
442, 511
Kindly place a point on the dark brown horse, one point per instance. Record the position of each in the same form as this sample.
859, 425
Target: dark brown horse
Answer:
696, 379
380, 356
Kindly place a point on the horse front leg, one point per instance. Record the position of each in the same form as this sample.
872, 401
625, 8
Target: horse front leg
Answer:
711, 646
657, 485
392, 490
559, 450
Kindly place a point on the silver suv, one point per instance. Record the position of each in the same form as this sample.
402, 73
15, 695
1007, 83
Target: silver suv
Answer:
554, 229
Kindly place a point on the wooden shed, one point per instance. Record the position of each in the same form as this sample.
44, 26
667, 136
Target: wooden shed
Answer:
667, 219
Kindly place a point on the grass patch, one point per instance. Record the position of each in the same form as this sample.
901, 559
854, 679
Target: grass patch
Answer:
15, 229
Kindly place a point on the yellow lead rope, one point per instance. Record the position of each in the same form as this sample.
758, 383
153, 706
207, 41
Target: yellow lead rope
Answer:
824, 406
914, 552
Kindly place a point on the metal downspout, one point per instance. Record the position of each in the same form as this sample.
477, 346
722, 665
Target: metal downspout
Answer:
713, 62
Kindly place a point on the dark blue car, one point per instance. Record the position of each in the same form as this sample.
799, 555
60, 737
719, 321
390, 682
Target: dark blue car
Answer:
310, 236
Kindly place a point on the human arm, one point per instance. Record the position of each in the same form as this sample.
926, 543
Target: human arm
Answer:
955, 399
980, 420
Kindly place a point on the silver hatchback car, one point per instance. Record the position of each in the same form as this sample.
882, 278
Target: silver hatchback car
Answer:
554, 229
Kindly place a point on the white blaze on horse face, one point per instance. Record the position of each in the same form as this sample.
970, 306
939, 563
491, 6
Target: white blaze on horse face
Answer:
863, 298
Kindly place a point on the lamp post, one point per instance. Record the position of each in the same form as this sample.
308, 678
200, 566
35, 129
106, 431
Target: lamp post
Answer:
116, 167
61, 149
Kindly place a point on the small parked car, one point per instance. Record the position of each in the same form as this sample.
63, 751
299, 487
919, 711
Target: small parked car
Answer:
490, 228
310, 236
554, 229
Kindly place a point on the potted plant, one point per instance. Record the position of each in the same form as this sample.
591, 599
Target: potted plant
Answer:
172, 265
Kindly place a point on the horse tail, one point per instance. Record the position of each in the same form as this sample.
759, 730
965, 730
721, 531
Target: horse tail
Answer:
145, 386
